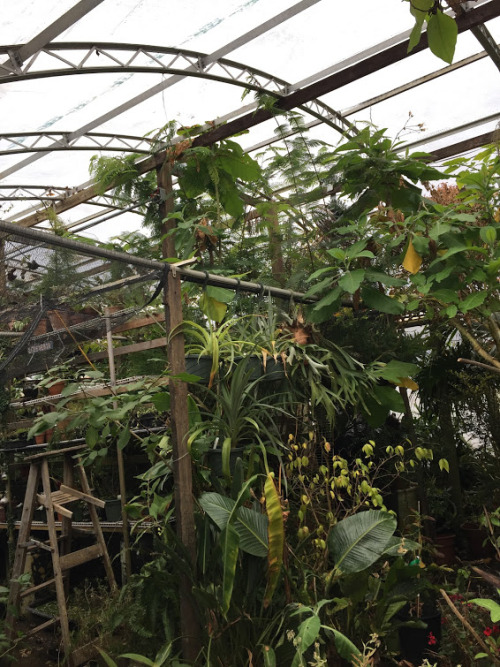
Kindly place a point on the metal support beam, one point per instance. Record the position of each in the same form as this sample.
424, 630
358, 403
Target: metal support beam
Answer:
18, 56
369, 65
243, 39
189, 275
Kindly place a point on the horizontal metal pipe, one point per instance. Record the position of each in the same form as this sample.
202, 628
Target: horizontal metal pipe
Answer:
190, 275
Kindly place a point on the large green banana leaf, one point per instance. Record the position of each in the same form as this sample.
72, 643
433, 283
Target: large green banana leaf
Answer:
357, 542
250, 526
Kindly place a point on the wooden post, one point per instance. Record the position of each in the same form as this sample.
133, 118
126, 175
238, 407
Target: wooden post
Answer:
183, 482
127, 570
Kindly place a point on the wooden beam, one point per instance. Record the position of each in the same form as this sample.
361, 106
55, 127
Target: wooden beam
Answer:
465, 145
182, 473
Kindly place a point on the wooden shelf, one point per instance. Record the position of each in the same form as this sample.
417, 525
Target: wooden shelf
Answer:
107, 526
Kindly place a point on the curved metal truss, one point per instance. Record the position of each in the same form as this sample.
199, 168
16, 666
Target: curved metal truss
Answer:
53, 141
70, 58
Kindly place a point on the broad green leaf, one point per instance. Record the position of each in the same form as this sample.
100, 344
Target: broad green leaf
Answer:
220, 293
91, 436
451, 311
379, 301
488, 234
395, 371
442, 34
415, 36
161, 401
213, 309
123, 438
307, 634
473, 301
345, 648
491, 605
445, 295
337, 253
351, 281
252, 528
269, 656
276, 537
384, 278
357, 542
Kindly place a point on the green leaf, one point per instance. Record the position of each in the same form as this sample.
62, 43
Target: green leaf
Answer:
491, 605
141, 659
220, 293
395, 371
488, 234
337, 253
107, 659
307, 634
473, 301
213, 309
91, 436
379, 301
451, 311
345, 648
161, 401
357, 542
444, 465
123, 438
351, 281
250, 525
415, 35
276, 537
269, 656
229, 544
442, 34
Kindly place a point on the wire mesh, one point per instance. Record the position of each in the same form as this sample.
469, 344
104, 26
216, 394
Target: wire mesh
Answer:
54, 298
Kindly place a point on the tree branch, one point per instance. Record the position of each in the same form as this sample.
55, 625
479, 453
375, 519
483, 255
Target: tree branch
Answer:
475, 345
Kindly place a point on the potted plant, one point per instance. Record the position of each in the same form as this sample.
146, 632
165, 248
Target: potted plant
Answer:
238, 416
209, 346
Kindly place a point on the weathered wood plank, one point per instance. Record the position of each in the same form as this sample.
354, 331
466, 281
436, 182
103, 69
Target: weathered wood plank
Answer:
82, 496
81, 556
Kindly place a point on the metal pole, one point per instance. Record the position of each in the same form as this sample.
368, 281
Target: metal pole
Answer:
127, 570
190, 275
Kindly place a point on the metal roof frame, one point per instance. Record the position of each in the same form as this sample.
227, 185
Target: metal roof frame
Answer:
290, 96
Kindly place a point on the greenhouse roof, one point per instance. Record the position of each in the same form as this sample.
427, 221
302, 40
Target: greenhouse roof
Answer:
97, 77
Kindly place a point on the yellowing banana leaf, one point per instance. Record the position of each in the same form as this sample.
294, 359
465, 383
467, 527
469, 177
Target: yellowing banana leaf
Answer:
276, 537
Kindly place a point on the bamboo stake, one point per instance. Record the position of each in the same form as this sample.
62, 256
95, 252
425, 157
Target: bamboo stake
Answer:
127, 570
469, 627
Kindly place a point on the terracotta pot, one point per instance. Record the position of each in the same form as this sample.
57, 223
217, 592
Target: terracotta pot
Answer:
445, 545
56, 388
44, 437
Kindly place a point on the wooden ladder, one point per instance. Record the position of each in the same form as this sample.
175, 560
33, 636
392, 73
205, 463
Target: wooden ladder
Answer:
63, 559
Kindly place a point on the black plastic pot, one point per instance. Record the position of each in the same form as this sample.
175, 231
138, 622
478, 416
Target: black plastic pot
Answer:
273, 370
415, 643
213, 459
113, 510
201, 366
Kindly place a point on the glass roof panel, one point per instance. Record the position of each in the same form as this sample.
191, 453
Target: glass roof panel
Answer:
316, 39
